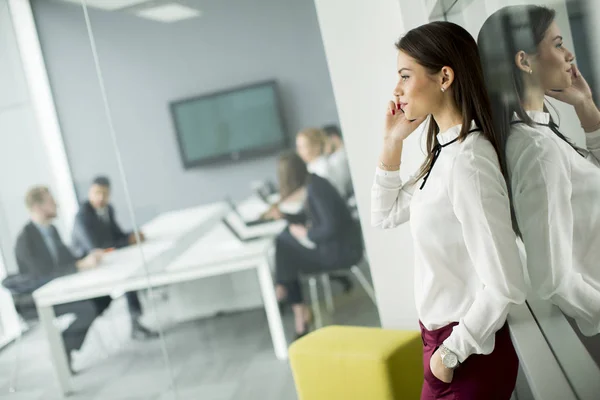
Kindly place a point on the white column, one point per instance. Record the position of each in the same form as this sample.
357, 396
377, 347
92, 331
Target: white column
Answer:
359, 39
45, 111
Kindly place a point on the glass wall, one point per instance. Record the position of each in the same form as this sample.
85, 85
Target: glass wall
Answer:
578, 355
200, 142
166, 175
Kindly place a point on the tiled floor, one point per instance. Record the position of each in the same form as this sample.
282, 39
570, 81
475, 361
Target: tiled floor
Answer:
228, 357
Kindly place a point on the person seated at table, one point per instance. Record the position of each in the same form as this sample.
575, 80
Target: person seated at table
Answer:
96, 228
337, 158
331, 164
311, 145
42, 256
328, 240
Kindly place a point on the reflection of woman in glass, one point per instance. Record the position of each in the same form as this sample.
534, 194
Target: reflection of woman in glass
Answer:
555, 185
467, 265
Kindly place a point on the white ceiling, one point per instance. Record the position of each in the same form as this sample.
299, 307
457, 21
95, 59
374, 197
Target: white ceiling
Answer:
167, 11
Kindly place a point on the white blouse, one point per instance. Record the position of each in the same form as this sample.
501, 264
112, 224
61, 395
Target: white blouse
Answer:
338, 163
467, 263
556, 196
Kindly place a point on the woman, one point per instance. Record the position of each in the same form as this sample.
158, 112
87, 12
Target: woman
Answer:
328, 240
467, 267
555, 185
310, 145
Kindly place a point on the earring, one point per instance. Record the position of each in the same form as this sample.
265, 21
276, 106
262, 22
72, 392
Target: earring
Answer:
530, 71
443, 89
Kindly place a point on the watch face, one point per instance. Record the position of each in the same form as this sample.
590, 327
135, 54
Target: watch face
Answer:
450, 361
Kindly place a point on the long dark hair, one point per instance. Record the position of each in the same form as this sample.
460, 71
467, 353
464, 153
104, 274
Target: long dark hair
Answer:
439, 44
505, 33
291, 173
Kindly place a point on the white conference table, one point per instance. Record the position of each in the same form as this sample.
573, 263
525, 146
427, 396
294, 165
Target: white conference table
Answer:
219, 252
181, 246
167, 236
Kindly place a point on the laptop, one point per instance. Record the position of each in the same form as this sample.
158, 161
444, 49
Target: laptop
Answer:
265, 191
240, 237
255, 222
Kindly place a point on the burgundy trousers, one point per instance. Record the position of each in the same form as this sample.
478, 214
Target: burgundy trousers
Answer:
480, 377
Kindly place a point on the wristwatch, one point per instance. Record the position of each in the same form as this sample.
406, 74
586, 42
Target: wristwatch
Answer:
449, 359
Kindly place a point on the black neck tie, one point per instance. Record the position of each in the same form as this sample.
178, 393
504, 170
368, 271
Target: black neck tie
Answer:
437, 149
554, 128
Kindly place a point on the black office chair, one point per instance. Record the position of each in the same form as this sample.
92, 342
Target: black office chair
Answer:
20, 291
25, 307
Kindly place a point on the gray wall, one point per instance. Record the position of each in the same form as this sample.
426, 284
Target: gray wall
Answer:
147, 64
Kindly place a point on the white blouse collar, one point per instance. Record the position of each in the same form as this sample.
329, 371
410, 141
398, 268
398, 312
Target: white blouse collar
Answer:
540, 117
452, 133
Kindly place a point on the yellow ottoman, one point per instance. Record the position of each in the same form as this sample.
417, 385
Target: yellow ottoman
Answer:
347, 363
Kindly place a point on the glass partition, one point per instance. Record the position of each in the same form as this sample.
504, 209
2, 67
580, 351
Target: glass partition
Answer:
577, 354
203, 141
73, 268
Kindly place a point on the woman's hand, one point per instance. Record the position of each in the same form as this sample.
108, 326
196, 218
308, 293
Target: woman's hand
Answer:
272, 213
298, 231
438, 369
397, 126
578, 93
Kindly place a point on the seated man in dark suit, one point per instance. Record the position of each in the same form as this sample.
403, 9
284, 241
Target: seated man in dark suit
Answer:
96, 228
42, 256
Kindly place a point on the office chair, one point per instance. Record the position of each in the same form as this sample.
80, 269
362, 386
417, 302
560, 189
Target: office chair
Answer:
326, 283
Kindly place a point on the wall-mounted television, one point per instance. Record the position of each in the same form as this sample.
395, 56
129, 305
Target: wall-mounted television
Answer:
233, 124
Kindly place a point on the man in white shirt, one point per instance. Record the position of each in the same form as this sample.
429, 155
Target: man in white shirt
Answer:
337, 165
337, 159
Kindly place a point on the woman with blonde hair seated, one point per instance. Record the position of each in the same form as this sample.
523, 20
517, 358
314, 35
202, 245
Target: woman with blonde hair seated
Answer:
310, 146
329, 239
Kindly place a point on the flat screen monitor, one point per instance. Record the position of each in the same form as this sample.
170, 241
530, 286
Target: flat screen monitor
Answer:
233, 124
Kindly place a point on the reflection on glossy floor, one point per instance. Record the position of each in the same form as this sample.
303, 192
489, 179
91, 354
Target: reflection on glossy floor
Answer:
222, 358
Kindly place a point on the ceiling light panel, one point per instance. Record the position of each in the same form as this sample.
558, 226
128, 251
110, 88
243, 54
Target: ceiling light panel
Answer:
169, 13
109, 4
